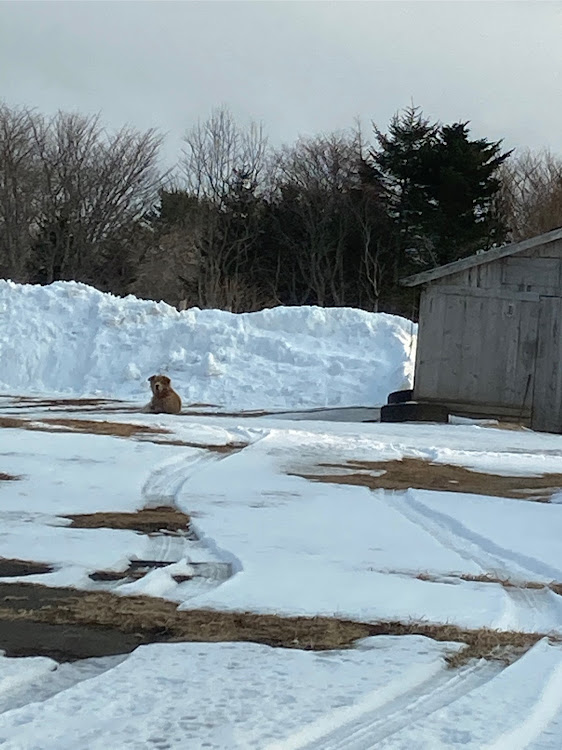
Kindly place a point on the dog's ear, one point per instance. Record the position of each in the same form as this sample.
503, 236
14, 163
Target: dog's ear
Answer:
151, 378
166, 380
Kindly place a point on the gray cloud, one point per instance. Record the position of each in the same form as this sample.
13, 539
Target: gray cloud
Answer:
301, 67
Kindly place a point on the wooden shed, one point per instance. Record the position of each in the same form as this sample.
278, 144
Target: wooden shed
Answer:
490, 334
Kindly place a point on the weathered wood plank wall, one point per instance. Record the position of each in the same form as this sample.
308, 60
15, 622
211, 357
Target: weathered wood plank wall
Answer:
476, 348
490, 338
547, 391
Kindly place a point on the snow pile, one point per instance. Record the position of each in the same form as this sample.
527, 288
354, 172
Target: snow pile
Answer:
70, 339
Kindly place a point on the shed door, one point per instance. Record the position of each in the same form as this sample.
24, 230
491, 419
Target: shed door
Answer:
477, 349
547, 393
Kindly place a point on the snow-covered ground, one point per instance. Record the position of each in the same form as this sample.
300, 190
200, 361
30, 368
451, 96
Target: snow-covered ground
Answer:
296, 546
293, 546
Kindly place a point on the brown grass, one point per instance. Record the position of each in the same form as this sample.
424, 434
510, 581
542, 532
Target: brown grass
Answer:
224, 448
91, 426
505, 582
485, 578
159, 620
512, 426
146, 520
491, 644
415, 473
141, 432
94, 427
14, 422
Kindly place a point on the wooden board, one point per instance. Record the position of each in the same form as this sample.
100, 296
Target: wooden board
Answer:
497, 293
518, 274
489, 257
429, 346
549, 250
541, 275
547, 391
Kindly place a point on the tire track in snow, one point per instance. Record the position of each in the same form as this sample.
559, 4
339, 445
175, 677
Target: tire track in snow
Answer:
475, 546
46, 685
163, 487
537, 719
525, 609
390, 708
166, 481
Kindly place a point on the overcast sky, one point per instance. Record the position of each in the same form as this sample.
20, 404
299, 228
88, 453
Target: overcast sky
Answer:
300, 67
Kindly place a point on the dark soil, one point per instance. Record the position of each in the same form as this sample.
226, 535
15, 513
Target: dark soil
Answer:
14, 567
68, 624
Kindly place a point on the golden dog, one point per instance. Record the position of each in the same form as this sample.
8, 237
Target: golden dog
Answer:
164, 399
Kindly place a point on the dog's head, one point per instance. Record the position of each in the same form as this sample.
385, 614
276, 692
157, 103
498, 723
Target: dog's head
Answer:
159, 383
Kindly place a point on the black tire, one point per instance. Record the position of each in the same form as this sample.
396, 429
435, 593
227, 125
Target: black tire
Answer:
400, 397
414, 412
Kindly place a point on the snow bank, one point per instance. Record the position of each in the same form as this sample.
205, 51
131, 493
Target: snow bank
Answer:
70, 339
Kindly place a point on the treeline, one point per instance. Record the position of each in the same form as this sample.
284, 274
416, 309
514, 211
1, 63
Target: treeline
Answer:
333, 219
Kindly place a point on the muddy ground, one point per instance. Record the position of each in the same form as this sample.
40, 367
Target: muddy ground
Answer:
68, 624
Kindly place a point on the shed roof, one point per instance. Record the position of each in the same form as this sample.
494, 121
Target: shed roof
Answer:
480, 258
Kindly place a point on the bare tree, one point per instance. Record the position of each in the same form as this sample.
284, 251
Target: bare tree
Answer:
170, 267
313, 179
19, 189
531, 193
225, 168
369, 208
94, 184
218, 153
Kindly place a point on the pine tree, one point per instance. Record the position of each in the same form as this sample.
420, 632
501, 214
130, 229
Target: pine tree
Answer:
443, 187
400, 159
461, 185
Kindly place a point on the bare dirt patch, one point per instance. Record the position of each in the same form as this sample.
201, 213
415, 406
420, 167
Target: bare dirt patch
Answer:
107, 623
14, 567
415, 473
8, 477
146, 520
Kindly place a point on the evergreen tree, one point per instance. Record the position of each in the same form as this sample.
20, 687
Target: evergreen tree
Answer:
400, 158
442, 187
461, 177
